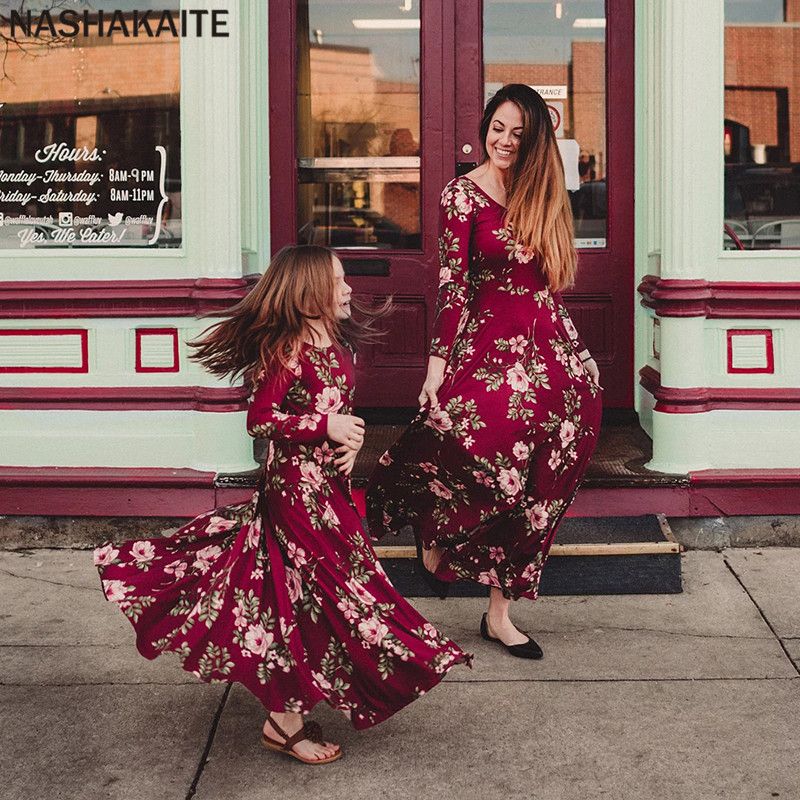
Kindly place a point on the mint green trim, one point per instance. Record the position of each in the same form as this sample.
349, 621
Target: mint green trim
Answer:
254, 64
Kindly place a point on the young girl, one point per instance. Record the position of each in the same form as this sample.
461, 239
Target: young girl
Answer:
284, 594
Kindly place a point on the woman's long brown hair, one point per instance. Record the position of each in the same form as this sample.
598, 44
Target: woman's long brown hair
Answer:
538, 212
266, 329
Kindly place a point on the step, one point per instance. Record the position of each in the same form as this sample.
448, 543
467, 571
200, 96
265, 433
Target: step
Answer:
591, 556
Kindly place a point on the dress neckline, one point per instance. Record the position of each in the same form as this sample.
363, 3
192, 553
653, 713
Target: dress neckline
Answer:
484, 192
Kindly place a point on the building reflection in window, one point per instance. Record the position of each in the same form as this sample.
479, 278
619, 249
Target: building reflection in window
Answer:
358, 124
762, 124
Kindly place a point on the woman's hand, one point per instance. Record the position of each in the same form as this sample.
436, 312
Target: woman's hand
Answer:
346, 429
433, 381
591, 367
346, 458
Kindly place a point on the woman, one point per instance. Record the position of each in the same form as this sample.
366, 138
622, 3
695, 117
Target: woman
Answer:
485, 476
284, 594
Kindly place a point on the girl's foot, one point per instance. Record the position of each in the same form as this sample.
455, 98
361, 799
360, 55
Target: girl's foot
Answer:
307, 749
503, 628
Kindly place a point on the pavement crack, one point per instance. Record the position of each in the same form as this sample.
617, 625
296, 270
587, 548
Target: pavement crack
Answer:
778, 639
47, 580
209, 743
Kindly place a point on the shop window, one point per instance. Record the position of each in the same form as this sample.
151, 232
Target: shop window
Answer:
90, 134
559, 48
762, 124
358, 124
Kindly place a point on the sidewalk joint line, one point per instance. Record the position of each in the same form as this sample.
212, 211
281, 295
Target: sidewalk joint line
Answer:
763, 615
209, 743
452, 681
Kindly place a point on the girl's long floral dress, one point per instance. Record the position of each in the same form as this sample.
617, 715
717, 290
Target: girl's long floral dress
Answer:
283, 593
489, 474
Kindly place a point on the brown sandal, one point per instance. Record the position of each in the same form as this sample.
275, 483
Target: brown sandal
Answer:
310, 730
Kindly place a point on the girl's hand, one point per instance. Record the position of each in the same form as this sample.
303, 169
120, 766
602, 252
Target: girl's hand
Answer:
346, 429
346, 459
594, 373
433, 381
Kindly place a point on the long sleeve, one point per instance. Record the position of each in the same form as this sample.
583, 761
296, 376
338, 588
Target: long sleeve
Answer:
265, 419
561, 310
456, 213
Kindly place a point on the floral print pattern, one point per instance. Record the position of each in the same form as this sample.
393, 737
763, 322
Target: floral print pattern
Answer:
489, 474
283, 593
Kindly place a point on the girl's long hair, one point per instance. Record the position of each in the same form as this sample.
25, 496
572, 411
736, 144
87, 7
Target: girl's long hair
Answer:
265, 330
538, 212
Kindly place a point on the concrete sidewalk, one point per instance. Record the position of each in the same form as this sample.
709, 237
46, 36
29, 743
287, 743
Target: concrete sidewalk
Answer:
691, 696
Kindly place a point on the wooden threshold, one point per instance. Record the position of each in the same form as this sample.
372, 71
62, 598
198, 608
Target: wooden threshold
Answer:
620, 549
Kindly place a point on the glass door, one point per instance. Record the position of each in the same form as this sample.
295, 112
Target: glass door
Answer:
578, 54
375, 105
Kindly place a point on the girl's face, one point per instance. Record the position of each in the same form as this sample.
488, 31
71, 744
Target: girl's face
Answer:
342, 291
505, 130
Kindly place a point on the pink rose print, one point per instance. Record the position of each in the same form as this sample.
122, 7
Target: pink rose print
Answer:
312, 475
517, 344
329, 516
575, 364
142, 552
219, 524
483, 477
257, 640
555, 460
509, 481
296, 554
445, 275
115, 591
322, 682
324, 454
205, 557
349, 609
176, 568
523, 254
294, 366
329, 400
496, 554
517, 378
372, 630
309, 421
537, 516
239, 617
294, 584
566, 432
431, 469
439, 420
103, 556
489, 578
462, 203
361, 594
530, 572
520, 451
570, 328
439, 489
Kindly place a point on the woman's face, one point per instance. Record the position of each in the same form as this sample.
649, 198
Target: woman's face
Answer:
505, 130
342, 291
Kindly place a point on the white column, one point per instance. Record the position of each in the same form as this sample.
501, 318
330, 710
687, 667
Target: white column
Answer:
210, 128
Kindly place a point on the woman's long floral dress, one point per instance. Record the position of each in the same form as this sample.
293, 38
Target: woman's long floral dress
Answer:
283, 593
490, 473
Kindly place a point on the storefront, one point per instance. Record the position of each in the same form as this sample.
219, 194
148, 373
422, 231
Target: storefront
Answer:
338, 123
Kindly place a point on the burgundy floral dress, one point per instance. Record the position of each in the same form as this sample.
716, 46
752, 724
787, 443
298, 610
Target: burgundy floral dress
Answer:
490, 473
283, 593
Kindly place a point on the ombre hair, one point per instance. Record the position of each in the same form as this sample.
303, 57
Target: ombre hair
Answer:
538, 210
265, 331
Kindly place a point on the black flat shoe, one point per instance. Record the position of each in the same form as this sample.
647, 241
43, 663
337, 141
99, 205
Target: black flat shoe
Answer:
527, 649
440, 588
